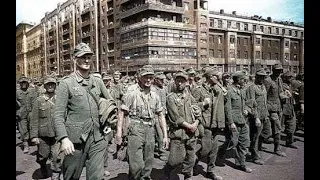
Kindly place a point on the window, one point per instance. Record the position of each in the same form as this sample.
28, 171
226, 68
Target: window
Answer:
277, 30
238, 26
261, 28
246, 27
211, 53
254, 27
219, 39
245, 54
232, 53
269, 56
219, 53
301, 34
295, 45
238, 41
211, 23
186, 6
295, 57
276, 56
283, 31
286, 56
245, 41
232, 39
258, 54
229, 24
269, 30
211, 39
290, 32
286, 44
219, 23
238, 54
269, 43
258, 41
103, 22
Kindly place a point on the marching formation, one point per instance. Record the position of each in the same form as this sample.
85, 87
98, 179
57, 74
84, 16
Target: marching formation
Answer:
176, 116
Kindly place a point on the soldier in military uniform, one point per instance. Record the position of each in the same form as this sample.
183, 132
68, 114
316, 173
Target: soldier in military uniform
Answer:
289, 116
42, 130
141, 105
116, 88
24, 95
236, 113
183, 127
159, 88
76, 119
259, 117
274, 88
211, 97
191, 80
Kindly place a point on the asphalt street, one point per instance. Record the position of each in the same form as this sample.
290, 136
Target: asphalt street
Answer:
275, 167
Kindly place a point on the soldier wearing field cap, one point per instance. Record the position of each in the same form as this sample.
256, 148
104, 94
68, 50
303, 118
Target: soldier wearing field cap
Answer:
117, 88
211, 97
76, 119
183, 127
274, 86
159, 88
289, 116
236, 120
259, 116
141, 106
42, 130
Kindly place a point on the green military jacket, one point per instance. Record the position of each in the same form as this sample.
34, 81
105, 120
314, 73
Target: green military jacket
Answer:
162, 93
273, 88
140, 105
41, 123
76, 110
288, 102
25, 98
213, 115
179, 111
258, 94
235, 105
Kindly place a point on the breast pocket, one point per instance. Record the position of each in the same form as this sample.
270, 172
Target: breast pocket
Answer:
43, 111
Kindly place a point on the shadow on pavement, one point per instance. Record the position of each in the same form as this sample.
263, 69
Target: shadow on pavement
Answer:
121, 176
38, 175
231, 164
19, 173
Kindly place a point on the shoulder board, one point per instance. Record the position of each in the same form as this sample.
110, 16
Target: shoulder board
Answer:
170, 94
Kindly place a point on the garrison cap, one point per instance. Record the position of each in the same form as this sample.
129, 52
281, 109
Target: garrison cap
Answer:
82, 49
49, 80
277, 67
226, 75
261, 72
169, 75
117, 73
23, 79
288, 74
145, 70
191, 71
159, 75
181, 73
211, 72
239, 74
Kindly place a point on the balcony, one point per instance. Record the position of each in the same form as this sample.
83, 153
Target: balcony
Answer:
158, 22
110, 53
110, 40
85, 34
110, 11
85, 22
152, 6
65, 31
110, 25
121, 1
154, 42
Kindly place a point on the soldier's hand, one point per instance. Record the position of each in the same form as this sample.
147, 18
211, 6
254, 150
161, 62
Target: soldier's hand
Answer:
206, 101
258, 122
118, 139
165, 143
302, 108
67, 146
35, 140
192, 128
233, 127
245, 112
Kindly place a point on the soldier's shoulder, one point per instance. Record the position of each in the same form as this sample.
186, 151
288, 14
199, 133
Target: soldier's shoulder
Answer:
171, 96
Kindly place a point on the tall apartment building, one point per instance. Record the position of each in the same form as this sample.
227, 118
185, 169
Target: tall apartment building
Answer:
21, 48
34, 63
168, 34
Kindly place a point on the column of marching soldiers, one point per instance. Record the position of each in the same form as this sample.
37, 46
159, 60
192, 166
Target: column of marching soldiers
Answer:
176, 117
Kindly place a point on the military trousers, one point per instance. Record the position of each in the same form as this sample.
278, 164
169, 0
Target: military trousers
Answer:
290, 127
275, 125
140, 151
182, 151
255, 133
209, 147
159, 139
241, 140
48, 146
90, 154
24, 129
105, 155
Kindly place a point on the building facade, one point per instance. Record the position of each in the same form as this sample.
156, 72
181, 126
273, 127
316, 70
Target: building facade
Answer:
34, 62
168, 34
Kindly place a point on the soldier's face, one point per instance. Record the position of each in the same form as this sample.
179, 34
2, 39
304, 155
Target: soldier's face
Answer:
83, 62
24, 85
107, 82
181, 83
259, 79
242, 82
146, 80
159, 82
50, 87
116, 78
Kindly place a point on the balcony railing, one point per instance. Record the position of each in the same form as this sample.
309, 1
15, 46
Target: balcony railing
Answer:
153, 6
158, 22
